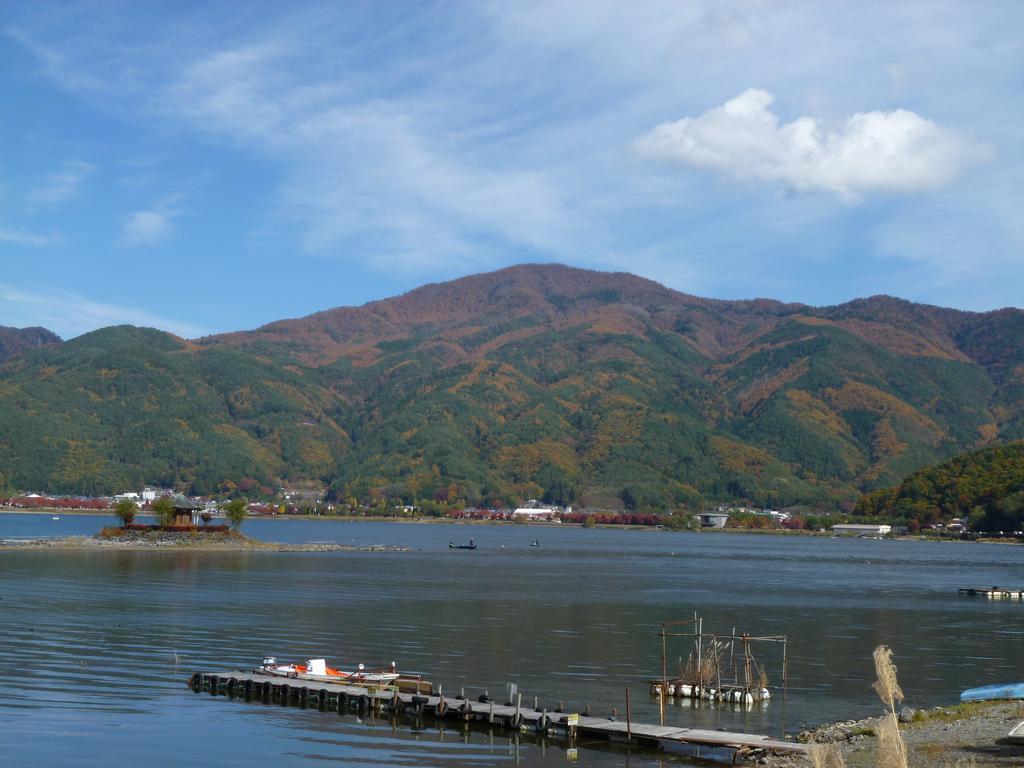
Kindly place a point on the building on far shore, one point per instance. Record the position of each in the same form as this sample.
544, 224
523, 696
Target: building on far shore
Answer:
862, 529
531, 513
713, 519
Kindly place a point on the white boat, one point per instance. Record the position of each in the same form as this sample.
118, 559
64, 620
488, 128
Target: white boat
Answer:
318, 671
1016, 735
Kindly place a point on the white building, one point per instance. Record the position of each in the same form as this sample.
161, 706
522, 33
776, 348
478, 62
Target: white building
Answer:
530, 513
713, 519
862, 529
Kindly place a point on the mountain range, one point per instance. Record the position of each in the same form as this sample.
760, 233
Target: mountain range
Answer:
533, 381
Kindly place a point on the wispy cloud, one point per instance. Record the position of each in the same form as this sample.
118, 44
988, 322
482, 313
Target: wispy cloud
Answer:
368, 171
62, 185
57, 65
29, 239
70, 314
150, 226
896, 151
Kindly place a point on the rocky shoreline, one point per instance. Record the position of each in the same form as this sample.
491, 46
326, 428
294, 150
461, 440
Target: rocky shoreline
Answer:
964, 736
201, 541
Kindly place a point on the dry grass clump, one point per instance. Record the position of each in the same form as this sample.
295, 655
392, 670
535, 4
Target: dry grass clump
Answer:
892, 752
887, 686
826, 756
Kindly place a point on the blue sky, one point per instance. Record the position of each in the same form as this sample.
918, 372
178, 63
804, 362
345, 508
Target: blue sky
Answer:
215, 166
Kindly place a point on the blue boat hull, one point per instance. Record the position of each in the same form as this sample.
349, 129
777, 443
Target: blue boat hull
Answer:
986, 692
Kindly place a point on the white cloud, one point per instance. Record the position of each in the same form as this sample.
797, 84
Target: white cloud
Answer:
30, 239
69, 314
897, 151
63, 185
243, 92
151, 226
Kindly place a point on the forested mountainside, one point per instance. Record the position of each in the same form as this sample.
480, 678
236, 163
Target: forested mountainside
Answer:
600, 388
986, 487
14, 341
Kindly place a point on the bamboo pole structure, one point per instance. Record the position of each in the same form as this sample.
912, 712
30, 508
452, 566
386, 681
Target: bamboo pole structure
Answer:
664, 677
629, 716
698, 637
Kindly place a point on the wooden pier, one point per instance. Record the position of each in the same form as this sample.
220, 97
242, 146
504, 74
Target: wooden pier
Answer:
994, 593
270, 689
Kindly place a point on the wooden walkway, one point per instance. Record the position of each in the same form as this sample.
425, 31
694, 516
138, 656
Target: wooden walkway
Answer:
994, 593
344, 698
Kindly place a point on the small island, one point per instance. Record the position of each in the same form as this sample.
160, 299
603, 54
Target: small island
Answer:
178, 527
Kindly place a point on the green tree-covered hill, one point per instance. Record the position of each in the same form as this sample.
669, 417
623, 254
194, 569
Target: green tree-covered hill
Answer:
580, 386
985, 486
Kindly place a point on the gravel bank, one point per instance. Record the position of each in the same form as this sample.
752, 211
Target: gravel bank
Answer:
965, 736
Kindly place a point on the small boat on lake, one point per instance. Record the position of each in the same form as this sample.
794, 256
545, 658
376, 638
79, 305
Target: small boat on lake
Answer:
317, 670
991, 692
471, 545
535, 543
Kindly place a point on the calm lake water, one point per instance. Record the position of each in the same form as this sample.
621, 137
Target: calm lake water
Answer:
96, 647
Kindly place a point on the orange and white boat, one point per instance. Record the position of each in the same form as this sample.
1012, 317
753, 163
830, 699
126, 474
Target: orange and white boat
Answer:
318, 671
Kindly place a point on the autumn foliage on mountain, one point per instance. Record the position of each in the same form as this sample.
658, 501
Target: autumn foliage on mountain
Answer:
530, 382
985, 488
14, 341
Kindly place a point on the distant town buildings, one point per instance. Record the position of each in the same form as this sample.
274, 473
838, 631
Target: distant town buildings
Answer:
774, 514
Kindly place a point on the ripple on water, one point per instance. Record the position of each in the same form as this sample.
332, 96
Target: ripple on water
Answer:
97, 646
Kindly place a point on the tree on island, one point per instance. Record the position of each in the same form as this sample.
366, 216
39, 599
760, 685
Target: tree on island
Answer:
163, 511
236, 511
126, 510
